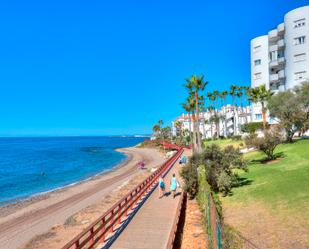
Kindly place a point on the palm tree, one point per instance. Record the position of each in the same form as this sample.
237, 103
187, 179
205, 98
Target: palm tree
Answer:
212, 99
239, 94
216, 119
189, 107
261, 95
157, 129
247, 91
216, 95
202, 109
223, 98
196, 86
160, 122
233, 94
178, 126
210, 120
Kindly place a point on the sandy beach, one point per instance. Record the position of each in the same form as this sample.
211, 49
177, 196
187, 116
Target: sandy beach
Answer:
52, 219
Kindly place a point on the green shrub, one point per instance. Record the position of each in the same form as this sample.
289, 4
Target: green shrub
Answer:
252, 127
190, 176
236, 137
267, 143
220, 164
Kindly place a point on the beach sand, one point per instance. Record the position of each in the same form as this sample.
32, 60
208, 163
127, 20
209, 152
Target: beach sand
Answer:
52, 219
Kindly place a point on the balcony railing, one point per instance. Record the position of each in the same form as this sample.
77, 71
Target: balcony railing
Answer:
274, 63
273, 48
273, 34
281, 74
281, 28
281, 43
281, 60
273, 77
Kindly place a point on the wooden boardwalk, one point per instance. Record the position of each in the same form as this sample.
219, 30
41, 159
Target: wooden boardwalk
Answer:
151, 226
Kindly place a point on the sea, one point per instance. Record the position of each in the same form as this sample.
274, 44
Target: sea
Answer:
31, 166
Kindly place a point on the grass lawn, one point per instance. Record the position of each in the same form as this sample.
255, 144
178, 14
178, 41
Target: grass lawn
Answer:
275, 201
224, 142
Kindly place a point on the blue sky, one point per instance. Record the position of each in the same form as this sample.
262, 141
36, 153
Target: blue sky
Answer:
116, 67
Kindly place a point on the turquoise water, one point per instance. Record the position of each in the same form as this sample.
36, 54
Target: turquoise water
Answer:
29, 166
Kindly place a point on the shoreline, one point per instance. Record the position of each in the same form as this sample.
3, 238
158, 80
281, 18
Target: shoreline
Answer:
9, 207
21, 221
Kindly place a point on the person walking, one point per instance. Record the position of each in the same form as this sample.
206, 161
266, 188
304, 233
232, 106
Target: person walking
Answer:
174, 185
161, 187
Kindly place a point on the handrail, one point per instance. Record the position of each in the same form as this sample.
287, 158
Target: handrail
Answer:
104, 225
176, 226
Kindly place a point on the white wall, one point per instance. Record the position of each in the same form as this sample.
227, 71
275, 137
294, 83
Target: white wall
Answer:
261, 54
291, 50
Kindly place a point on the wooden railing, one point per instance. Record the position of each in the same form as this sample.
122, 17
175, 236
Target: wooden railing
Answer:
104, 226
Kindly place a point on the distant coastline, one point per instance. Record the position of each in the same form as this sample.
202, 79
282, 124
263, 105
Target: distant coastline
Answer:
106, 159
45, 194
11, 206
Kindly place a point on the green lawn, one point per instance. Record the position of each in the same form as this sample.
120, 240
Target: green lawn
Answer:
283, 183
224, 142
272, 207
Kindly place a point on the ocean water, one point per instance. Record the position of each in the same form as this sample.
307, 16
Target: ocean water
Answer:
29, 166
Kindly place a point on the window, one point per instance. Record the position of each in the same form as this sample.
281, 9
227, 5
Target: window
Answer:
273, 56
300, 75
299, 40
257, 48
257, 76
299, 23
257, 62
280, 54
299, 57
258, 116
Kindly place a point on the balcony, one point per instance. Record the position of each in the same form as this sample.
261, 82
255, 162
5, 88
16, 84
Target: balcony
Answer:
281, 60
273, 35
273, 77
273, 48
229, 124
282, 87
274, 63
229, 115
274, 88
281, 74
281, 43
281, 28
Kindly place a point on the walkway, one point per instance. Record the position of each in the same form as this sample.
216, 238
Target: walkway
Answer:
150, 227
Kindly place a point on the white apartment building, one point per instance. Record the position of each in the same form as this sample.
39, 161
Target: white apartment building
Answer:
280, 59
230, 122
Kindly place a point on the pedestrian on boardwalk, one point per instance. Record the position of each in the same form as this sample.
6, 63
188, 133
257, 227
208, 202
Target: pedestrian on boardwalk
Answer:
161, 187
174, 185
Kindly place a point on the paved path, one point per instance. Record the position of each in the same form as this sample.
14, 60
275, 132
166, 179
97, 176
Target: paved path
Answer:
151, 225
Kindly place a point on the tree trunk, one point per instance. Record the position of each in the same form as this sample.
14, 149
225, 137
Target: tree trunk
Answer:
289, 137
194, 147
190, 133
234, 116
224, 123
218, 129
263, 115
211, 132
204, 130
198, 136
